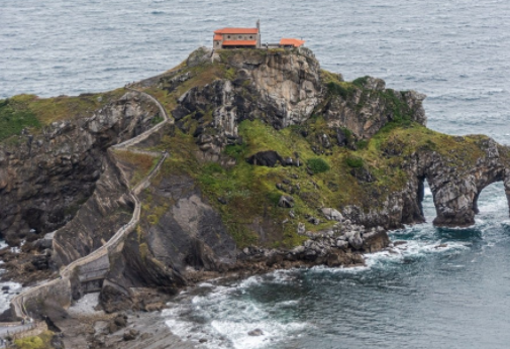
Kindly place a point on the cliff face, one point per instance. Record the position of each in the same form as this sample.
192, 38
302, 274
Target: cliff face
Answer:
272, 162
47, 174
367, 106
283, 90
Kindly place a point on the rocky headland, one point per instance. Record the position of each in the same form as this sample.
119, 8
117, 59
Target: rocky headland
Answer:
262, 160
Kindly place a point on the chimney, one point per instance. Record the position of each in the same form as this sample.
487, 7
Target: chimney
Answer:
258, 35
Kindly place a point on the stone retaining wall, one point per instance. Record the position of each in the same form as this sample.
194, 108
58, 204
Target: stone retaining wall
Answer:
38, 328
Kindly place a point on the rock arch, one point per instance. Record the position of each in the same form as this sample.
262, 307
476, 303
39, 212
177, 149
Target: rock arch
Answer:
456, 189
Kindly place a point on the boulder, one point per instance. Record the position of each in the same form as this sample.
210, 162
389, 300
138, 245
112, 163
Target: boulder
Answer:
199, 56
286, 201
130, 335
314, 221
120, 321
356, 241
267, 158
362, 174
332, 215
341, 243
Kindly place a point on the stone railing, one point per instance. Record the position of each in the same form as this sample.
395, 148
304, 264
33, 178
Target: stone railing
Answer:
36, 329
60, 289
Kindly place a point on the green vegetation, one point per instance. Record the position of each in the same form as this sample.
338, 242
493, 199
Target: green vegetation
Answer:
138, 165
157, 119
29, 111
354, 162
348, 135
360, 82
230, 74
343, 89
402, 114
15, 116
249, 194
394, 103
318, 165
362, 144
144, 250
43, 341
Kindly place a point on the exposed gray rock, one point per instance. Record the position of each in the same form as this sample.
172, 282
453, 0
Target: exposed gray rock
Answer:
130, 334
301, 229
343, 111
342, 243
286, 201
268, 158
455, 189
199, 56
44, 181
332, 215
356, 241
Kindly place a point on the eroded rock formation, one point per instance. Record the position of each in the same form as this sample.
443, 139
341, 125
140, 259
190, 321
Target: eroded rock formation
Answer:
46, 177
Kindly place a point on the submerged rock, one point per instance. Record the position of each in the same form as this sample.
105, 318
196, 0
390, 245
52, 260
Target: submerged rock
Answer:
256, 332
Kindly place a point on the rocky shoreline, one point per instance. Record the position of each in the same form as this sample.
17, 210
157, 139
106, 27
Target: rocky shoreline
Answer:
143, 327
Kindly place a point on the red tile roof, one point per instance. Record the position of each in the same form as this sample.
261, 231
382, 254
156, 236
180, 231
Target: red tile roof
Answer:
218, 37
293, 42
240, 43
237, 31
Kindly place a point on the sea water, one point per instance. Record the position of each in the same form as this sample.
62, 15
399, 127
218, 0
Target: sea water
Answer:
8, 289
444, 288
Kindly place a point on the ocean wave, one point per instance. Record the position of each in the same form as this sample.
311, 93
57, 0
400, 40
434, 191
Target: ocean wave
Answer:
225, 314
8, 290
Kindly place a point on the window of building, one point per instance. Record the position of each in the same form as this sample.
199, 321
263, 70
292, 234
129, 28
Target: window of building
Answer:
239, 37
228, 36
251, 37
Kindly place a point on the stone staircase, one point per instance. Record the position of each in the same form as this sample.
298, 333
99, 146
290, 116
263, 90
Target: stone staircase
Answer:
92, 269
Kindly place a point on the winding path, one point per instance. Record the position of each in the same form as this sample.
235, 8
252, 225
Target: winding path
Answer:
18, 302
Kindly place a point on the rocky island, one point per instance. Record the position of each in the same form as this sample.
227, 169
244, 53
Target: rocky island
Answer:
235, 162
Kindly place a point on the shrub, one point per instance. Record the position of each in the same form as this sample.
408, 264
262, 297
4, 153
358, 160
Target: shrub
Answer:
212, 168
362, 144
336, 89
14, 117
235, 150
36, 342
360, 82
354, 162
157, 119
318, 165
230, 74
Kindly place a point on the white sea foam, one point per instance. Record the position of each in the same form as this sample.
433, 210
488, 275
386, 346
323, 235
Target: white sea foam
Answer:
225, 314
86, 304
7, 289
6, 295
